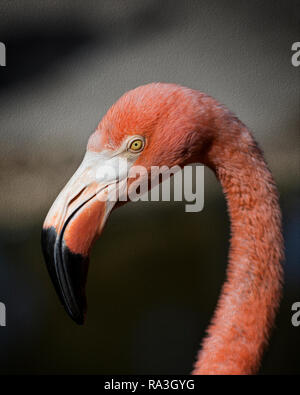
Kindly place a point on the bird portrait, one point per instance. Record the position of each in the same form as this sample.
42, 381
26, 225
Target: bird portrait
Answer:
166, 124
150, 195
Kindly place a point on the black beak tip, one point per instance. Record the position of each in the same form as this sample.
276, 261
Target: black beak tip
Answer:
48, 239
79, 319
68, 272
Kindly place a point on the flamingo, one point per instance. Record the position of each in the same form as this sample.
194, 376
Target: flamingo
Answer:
166, 124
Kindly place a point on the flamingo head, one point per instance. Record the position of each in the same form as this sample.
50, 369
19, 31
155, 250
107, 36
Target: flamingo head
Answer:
152, 125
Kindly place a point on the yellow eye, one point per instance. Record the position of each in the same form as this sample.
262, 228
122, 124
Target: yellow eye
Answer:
136, 145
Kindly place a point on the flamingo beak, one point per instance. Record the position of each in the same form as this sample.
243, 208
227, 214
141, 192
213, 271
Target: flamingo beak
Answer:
74, 221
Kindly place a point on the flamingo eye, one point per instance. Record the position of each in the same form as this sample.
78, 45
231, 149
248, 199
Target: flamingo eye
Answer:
136, 145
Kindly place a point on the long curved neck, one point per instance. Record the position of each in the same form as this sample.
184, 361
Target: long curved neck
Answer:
250, 296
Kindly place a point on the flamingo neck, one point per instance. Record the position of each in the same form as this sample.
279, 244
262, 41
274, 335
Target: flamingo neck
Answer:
250, 296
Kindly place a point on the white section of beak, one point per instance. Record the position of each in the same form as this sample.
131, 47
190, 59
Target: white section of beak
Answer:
103, 167
97, 175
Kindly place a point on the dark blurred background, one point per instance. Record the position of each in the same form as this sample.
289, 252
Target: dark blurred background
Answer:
156, 272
